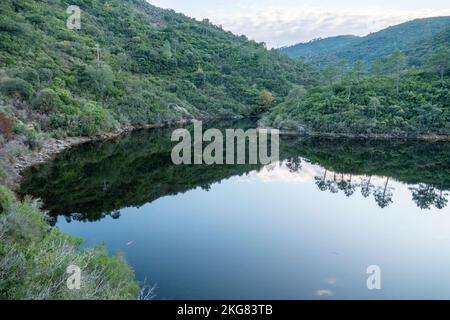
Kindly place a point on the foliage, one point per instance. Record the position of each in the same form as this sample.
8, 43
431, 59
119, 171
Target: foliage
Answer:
388, 99
46, 101
440, 61
16, 88
34, 258
266, 99
149, 60
314, 47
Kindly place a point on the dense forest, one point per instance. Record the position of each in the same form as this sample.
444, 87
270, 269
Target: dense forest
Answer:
394, 82
129, 64
386, 99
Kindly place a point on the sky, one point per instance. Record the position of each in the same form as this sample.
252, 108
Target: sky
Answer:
286, 22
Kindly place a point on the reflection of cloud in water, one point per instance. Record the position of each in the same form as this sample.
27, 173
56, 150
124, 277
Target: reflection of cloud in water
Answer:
280, 172
324, 293
299, 170
331, 281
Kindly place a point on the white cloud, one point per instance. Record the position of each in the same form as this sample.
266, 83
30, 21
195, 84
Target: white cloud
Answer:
279, 26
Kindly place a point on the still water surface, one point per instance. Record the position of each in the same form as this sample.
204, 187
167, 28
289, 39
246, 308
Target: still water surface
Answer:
306, 227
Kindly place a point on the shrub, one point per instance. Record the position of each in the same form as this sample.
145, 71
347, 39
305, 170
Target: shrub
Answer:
33, 139
172, 87
46, 101
16, 87
45, 74
6, 199
265, 98
29, 75
6, 124
34, 259
199, 78
59, 134
11, 26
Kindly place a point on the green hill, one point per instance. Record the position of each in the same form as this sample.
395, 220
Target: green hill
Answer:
155, 66
314, 47
417, 38
422, 50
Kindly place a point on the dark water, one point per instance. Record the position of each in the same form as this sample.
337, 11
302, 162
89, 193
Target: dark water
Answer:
304, 228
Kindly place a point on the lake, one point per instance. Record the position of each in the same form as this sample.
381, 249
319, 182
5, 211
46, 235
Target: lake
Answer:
306, 227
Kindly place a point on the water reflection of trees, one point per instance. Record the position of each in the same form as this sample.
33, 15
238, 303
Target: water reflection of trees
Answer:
98, 180
422, 165
424, 195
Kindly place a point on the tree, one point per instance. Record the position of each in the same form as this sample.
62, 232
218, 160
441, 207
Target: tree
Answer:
166, 50
349, 188
397, 63
440, 61
374, 106
101, 78
383, 195
330, 74
321, 182
441, 200
358, 69
294, 164
366, 188
45, 101
349, 80
199, 77
378, 67
266, 98
424, 196
297, 93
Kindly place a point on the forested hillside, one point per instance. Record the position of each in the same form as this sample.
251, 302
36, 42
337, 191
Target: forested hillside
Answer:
154, 66
393, 82
311, 49
416, 38
388, 98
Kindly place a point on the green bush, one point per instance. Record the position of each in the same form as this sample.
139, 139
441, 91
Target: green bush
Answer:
94, 119
29, 75
34, 259
16, 87
6, 199
33, 139
46, 101
45, 74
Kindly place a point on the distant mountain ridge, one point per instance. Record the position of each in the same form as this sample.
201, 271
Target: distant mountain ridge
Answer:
309, 50
416, 38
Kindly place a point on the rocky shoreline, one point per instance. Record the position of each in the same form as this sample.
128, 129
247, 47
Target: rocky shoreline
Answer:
49, 150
